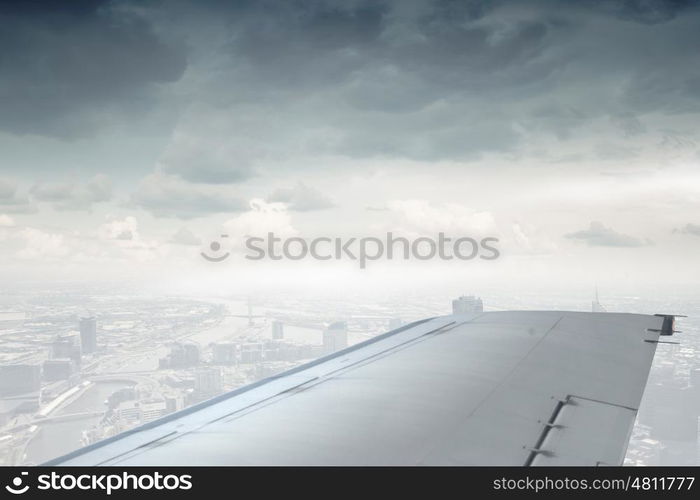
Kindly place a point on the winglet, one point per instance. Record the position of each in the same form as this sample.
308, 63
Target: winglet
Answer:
667, 328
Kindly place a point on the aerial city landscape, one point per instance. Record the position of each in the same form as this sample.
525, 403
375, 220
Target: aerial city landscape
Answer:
78, 366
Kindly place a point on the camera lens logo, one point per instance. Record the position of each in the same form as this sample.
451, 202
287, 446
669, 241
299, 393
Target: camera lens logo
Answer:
16, 488
215, 247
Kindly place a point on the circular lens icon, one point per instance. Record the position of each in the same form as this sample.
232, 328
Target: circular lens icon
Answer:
16, 488
214, 252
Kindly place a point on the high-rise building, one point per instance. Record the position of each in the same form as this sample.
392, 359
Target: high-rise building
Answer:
121, 395
19, 379
191, 354
225, 353
252, 352
335, 337
66, 347
182, 355
58, 369
61, 348
467, 304
88, 335
131, 413
277, 330
152, 409
207, 382
128, 415
174, 403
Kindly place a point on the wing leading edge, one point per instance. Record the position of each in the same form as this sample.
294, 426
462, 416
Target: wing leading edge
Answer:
495, 388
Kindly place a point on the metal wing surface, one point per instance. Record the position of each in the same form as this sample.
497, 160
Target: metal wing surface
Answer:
494, 388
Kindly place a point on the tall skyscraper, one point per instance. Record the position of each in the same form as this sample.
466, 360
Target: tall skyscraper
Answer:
277, 330
335, 337
88, 335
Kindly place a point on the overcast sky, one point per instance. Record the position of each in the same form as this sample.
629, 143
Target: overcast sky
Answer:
132, 133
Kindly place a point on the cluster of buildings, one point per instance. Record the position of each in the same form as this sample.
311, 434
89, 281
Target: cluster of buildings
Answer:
54, 362
247, 351
201, 370
253, 351
190, 373
181, 355
23, 385
128, 408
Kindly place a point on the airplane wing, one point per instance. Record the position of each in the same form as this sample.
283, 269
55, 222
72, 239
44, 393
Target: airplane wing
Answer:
494, 388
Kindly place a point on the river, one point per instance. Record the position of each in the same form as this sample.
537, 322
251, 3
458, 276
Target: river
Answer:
57, 438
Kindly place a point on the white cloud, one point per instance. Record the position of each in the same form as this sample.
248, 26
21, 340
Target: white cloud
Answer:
424, 217
6, 221
262, 218
126, 229
185, 237
301, 198
169, 196
599, 235
74, 196
38, 244
528, 239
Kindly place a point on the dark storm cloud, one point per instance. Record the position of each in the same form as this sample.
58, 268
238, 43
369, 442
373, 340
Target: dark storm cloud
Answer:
67, 68
630, 124
74, 196
432, 80
275, 82
645, 11
439, 47
599, 235
271, 84
422, 80
305, 43
210, 158
12, 201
